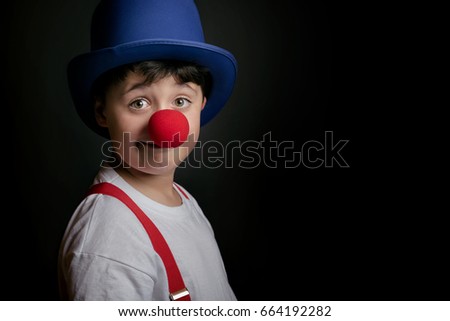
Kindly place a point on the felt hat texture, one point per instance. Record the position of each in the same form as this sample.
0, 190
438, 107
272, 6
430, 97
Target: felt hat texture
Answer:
128, 31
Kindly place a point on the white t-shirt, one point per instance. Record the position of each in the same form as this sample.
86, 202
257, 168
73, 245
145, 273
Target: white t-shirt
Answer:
106, 253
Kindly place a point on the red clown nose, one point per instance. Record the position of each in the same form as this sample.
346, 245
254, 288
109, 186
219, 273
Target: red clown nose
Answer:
168, 128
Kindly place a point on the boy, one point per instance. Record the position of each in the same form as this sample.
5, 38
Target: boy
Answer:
148, 85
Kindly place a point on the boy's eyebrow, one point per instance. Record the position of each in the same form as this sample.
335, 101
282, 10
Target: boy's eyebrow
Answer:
139, 85
134, 87
185, 84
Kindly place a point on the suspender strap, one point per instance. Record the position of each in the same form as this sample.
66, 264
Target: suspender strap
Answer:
177, 289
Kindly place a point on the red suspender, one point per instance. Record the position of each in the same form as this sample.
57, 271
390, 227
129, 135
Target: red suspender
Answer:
177, 289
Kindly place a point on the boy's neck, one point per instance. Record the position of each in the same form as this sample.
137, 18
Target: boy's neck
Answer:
156, 187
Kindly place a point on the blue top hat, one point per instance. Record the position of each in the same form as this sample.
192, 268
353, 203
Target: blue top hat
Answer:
127, 31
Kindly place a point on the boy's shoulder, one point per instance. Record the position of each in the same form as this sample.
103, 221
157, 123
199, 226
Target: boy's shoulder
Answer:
100, 215
109, 175
103, 227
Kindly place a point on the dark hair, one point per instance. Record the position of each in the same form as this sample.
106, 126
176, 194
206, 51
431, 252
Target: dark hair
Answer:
155, 70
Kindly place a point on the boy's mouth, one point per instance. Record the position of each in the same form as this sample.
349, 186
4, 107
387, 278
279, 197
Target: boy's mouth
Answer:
147, 143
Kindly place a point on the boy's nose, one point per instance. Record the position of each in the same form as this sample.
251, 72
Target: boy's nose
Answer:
156, 106
168, 128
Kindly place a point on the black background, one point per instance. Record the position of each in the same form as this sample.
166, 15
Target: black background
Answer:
372, 231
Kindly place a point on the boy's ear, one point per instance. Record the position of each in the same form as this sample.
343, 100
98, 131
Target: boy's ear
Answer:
204, 102
100, 117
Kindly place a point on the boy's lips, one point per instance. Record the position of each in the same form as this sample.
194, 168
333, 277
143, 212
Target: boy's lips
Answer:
148, 143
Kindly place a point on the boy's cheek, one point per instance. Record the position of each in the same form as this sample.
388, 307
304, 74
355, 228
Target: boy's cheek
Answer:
194, 130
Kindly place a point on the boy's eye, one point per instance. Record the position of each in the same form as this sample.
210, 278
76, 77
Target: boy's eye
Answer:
139, 104
181, 102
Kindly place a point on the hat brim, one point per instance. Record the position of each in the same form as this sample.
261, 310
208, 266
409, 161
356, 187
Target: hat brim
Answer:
84, 69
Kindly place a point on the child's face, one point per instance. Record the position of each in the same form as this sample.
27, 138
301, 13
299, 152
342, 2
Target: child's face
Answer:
127, 109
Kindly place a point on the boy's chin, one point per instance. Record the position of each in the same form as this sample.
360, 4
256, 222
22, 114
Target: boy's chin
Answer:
152, 169
158, 161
